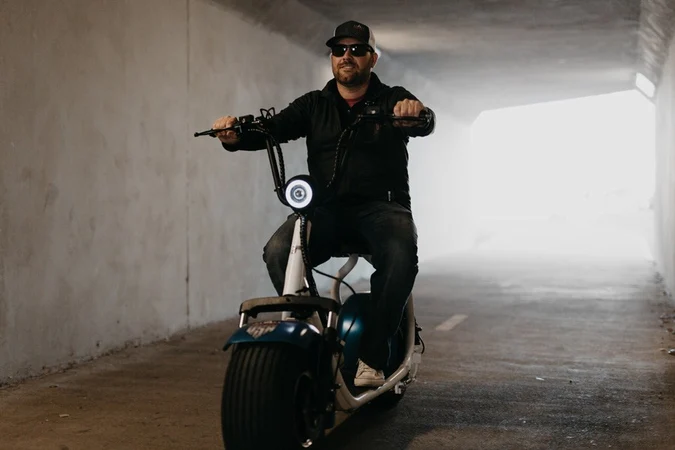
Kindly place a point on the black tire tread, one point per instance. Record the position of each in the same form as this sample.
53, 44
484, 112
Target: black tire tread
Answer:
257, 401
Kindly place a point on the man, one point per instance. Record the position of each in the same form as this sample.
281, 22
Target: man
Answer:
372, 202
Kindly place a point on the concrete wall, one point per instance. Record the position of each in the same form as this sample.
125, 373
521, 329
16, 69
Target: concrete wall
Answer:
103, 190
665, 166
116, 226
93, 218
232, 207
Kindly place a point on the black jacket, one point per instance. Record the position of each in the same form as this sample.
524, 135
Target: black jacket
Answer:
377, 163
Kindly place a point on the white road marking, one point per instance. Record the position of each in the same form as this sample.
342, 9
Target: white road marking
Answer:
452, 322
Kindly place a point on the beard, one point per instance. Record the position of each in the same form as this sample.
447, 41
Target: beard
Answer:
352, 78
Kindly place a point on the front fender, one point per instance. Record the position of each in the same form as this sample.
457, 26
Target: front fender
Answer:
292, 332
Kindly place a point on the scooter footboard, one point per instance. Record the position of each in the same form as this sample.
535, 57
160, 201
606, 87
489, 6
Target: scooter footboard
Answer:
407, 369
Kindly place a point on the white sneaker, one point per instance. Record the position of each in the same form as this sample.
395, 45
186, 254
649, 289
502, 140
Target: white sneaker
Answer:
367, 376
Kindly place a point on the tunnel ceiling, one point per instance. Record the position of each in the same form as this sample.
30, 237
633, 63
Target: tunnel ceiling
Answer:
487, 54
496, 53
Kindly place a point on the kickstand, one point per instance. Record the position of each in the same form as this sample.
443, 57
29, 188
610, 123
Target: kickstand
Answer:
418, 337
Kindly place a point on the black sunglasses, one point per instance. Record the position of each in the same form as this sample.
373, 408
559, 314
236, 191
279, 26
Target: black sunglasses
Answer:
339, 50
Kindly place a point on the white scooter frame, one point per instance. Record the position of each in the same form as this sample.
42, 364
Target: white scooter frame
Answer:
296, 282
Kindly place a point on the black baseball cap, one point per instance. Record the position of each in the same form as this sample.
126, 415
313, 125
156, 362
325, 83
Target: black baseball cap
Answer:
354, 30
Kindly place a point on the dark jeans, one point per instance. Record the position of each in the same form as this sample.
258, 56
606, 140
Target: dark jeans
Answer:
388, 231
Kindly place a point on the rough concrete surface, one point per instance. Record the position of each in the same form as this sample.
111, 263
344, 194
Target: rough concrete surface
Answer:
665, 170
98, 164
554, 353
92, 162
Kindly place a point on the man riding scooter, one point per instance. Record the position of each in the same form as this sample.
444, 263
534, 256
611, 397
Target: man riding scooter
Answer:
372, 205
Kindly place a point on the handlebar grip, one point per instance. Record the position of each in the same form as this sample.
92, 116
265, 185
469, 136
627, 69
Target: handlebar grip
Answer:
205, 133
213, 132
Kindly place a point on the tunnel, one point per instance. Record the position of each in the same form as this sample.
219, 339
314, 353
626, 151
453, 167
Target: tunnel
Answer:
544, 203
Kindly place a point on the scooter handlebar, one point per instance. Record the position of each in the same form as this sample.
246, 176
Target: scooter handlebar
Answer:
370, 115
212, 132
243, 122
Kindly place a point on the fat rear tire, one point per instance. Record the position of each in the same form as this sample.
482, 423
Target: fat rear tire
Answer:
269, 399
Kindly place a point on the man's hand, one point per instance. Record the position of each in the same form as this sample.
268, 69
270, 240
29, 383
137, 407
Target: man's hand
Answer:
407, 108
226, 137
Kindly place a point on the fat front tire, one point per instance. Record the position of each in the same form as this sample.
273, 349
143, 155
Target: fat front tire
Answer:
269, 399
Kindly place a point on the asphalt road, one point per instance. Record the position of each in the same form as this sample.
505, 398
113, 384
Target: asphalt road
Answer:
521, 353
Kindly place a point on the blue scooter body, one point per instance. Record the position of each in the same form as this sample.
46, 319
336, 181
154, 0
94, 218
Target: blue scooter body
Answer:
296, 333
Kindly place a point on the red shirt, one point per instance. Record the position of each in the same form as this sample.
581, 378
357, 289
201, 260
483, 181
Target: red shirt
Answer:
354, 101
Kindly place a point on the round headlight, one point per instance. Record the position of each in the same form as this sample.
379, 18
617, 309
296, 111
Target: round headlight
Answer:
299, 193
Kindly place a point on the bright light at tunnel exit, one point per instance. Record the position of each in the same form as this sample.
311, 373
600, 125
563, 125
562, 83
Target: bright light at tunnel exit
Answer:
587, 161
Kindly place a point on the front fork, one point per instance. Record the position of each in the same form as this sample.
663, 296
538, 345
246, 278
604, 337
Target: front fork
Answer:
296, 283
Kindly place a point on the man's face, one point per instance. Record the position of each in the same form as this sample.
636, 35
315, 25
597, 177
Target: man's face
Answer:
350, 70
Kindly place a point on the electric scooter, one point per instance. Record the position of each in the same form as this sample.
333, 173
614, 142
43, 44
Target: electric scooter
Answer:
288, 375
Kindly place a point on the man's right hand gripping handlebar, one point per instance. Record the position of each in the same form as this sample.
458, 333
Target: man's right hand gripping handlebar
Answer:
228, 136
